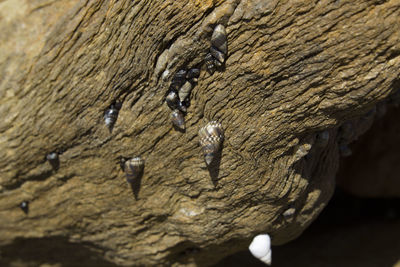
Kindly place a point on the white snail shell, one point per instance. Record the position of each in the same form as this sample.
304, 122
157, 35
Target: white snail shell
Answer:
260, 247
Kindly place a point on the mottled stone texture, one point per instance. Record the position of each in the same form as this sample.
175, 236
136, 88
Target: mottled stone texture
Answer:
294, 68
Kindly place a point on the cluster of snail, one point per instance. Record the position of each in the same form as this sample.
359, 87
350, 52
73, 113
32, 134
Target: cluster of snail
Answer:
178, 100
218, 50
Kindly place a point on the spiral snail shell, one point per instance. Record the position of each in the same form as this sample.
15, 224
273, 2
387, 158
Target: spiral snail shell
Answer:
178, 120
24, 205
219, 56
185, 90
218, 50
210, 63
218, 39
110, 117
173, 101
178, 80
260, 247
211, 138
193, 75
133, 168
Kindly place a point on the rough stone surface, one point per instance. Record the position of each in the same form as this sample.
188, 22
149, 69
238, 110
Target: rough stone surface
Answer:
294, 68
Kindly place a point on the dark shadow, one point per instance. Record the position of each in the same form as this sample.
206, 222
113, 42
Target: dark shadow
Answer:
345, 230
135, 185
50, 251
213, 168
179, 129
221, 68
184, 253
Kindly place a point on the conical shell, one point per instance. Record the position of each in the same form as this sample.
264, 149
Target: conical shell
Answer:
110, 117
193, 75
178, 80
218, 39
178, 120
260, 247
211, 138
173, 101
210, 63
133, 168
217, 55
185, 90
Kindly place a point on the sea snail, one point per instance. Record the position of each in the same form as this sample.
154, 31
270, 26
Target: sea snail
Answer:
173, 101
53, 160
24, 205
260, 247
218, 39
110, 117
178, 120
218, 50
133, 169
178, 80
211, 138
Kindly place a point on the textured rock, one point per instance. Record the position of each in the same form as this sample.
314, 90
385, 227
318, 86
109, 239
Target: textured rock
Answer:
294, 68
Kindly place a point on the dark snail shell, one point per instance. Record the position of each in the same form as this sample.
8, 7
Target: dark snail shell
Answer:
217, 55
173, 101
210, 63
110, 117
53, 160
218, 39
178, 120
24, 205
133, 168
178, 80
211, 138
193, 75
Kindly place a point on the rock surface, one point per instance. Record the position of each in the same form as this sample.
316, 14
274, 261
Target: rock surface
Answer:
294, 69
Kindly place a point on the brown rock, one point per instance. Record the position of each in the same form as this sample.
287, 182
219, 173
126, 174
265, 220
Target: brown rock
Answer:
294, 68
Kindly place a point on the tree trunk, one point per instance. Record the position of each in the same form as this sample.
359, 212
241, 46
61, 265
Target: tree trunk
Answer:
294, 70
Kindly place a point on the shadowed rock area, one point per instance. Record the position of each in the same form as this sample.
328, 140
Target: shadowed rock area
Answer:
301, 81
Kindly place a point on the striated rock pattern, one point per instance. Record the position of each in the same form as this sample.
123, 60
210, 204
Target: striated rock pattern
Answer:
293, 70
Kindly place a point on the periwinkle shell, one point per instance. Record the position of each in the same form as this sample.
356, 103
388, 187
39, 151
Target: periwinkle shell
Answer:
133, 168
110, 117
218, 39
178, 120
211, 138
210, 63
